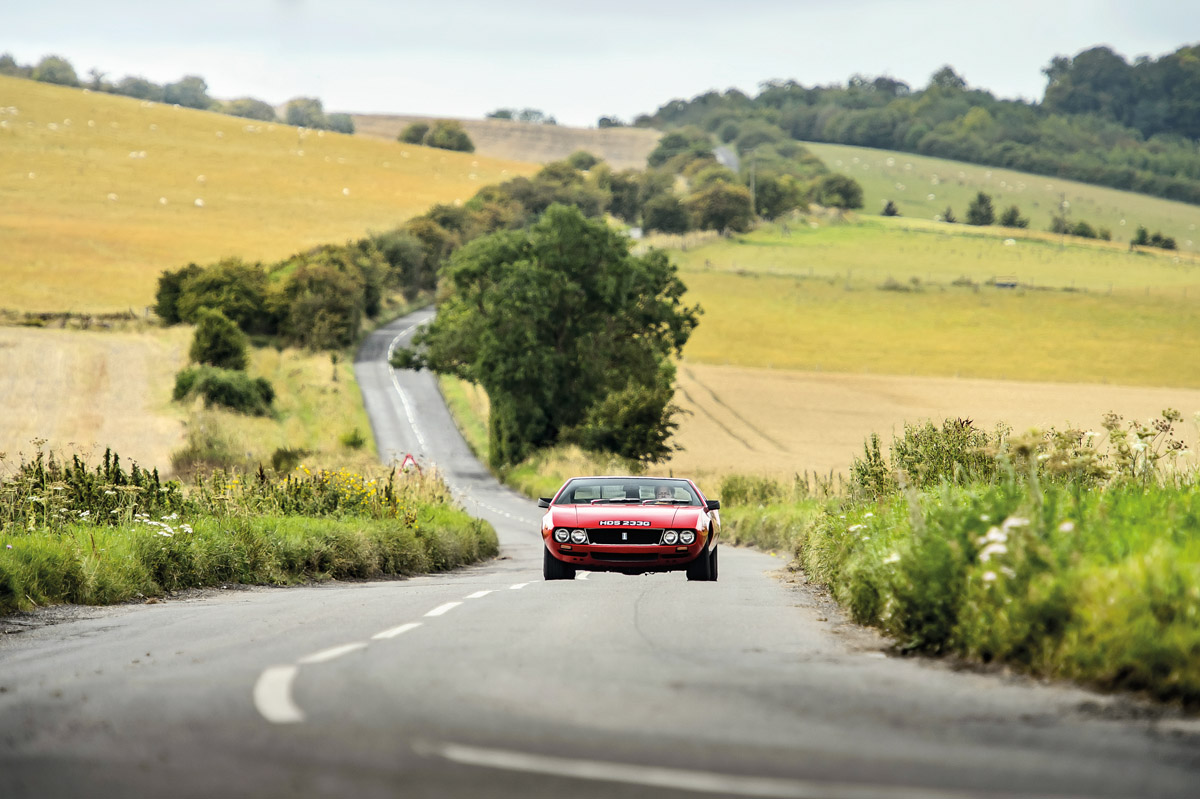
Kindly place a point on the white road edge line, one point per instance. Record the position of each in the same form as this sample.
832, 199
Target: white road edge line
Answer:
478, 594
394, 631
440, 609
679, 779
331, 653
517, 586
273, 695
408, 410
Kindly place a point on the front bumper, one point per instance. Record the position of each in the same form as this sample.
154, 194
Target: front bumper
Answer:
639, 557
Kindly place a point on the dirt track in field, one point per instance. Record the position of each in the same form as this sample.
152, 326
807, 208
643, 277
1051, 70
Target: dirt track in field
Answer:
83, 391
783, 422
622, 148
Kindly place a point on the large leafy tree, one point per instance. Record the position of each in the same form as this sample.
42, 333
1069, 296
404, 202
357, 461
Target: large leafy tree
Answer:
569, 334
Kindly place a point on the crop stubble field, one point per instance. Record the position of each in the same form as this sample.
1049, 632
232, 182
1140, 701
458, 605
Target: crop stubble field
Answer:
98, 193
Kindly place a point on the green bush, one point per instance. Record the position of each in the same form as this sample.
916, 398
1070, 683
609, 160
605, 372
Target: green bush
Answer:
446, 134
225, 388
218, 342
414, 133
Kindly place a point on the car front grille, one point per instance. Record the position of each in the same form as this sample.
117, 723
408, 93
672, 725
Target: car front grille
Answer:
637, 535
625, 557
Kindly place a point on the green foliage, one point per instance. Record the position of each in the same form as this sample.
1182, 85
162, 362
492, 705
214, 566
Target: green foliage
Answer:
340, 123
447, 134
948, 216
722, 207
170, 288
225, 388
839, 191
305, 112
582, 160
250, 108
218, 341
688, 142
354, 439
140, 88
414, 133
238, 290
890, 209
55, 69
1012, 218
635, 423
980, 211
553, 320
927, 455
191, 91
666, 213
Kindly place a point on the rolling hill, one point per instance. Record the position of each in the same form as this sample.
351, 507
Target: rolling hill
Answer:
99, 193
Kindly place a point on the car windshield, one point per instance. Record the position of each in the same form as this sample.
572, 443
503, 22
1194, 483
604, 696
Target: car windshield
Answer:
627, 490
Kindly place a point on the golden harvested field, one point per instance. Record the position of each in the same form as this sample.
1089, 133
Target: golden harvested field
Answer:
99, 194
922, 187
83, 391
782, 422
622, 148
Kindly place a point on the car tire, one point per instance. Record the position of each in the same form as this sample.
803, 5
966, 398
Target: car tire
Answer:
712, 565
700, 569
555, 569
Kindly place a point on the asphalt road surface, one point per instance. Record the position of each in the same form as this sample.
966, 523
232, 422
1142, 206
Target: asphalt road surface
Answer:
490, 682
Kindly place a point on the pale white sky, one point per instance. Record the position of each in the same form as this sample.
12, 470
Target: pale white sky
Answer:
575, 61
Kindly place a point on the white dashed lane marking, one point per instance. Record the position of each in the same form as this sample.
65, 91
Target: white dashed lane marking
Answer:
441, 609
517, 586
331, 653
478, 594
394, 631
273, 695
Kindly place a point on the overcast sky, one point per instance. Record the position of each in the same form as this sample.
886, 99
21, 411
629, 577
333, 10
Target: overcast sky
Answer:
575, 61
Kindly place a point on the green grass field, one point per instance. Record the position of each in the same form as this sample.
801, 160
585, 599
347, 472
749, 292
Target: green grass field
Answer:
922, 187
99, 193
815, 299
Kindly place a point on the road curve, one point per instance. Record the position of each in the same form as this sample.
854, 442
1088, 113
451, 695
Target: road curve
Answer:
490, 682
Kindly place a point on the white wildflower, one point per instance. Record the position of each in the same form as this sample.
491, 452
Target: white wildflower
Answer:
989, 577
1067, 527
892, 558
983, 517
868, 515
110, 493
1007, 572
992, 549
1014, 521
854, 528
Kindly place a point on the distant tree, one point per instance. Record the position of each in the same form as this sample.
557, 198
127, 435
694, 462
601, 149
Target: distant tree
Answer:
340, 123
218, 341
1083, 230
96, 81
947, 78
250, 108
1012, 218
610, 122
625, 189
501, 113
666, 213
1141, 238
237, 289
535, 116
447, 134
729, 131
190, 92
775, 195
723, 207
414, 133
1060, 224
1157, 239
948, 215
582, 160
55, 69
980, 211
686, 140
9, 66
707, 173
305, 112
839, 191
141, 88
170, 287
890, 209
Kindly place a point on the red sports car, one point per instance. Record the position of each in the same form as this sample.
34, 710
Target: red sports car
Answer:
631, 525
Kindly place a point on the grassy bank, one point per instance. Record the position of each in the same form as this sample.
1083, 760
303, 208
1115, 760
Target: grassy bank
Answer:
1083, 564
70, 532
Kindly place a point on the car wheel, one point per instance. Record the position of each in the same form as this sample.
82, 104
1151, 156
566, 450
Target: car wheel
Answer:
555, 569
712, 565
701, 568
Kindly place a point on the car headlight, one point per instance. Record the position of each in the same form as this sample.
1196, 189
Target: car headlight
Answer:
561, 535
670, 537
578, 537
687, 537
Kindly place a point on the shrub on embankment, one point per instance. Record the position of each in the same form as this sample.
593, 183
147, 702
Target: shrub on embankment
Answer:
1085, 567
72, 533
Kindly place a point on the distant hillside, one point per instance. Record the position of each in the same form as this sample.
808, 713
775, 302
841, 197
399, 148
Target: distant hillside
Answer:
100, 193
622, 148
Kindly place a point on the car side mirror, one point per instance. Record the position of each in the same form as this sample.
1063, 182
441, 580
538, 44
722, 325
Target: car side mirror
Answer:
544, 502
713, 504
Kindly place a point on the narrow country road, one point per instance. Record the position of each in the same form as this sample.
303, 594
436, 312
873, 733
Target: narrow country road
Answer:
489, 682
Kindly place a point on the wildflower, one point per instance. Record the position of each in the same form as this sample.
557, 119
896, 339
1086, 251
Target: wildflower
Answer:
1067, 527
989, 577
165, 534
854, 528
1014, 521
983, 517
868, 515
993, 536
8, 546
892, 558
1007, 572
992, 549
110, 493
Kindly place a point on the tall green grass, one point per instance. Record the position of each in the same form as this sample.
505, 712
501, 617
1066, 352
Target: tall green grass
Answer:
1061, 558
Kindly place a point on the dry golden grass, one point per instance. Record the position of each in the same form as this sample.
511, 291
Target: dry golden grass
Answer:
780, 422
84, 391
622, 148
267, 191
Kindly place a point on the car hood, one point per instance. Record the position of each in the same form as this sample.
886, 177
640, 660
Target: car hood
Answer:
656, 515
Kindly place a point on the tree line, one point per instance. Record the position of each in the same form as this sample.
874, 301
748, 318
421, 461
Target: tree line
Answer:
190, 91
1132, 127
